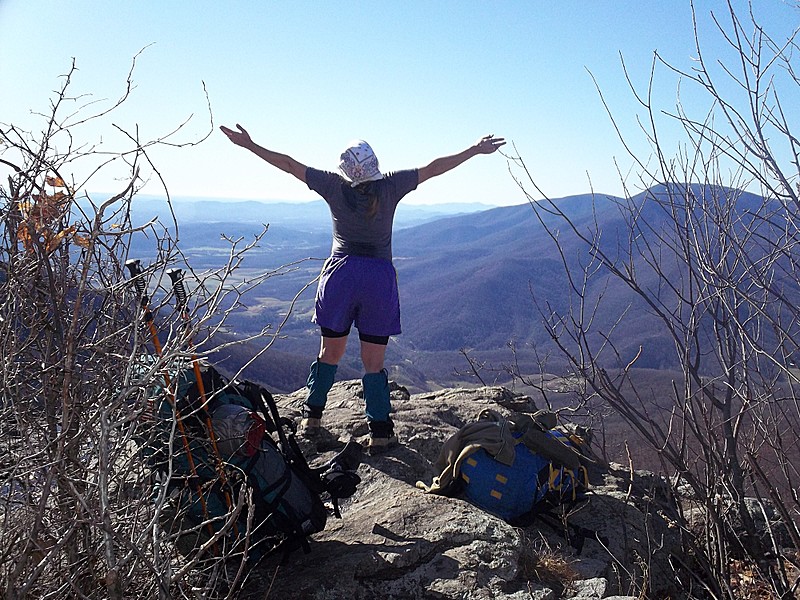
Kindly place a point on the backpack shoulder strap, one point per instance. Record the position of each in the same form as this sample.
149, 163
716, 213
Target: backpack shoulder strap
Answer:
536, 435
263, 402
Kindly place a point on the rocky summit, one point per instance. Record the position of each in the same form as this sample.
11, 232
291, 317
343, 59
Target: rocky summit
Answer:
396, 541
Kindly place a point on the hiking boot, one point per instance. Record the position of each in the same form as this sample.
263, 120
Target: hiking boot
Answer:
311, 423
382, 437
379, 445
310, 427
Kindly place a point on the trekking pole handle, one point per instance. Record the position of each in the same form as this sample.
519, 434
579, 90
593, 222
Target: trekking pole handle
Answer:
134, 265
176, 275
137, 276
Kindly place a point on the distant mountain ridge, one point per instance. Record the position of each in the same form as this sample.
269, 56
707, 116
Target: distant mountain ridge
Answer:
470, 281
473, 282
312, 215
479, 281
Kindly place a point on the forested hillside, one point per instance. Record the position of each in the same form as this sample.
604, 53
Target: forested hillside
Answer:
477, 283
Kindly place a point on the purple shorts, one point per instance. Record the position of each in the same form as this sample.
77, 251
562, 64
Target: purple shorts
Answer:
360, 290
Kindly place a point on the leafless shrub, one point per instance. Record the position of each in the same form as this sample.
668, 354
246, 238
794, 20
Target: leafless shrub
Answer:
78, 516
716, 270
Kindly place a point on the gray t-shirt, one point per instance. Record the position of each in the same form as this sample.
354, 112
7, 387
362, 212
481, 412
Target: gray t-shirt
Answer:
354, 230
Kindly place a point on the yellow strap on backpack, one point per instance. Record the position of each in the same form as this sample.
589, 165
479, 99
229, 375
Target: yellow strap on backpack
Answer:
554, 474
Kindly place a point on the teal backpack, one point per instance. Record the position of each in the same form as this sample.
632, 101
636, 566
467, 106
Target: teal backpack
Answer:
229, 470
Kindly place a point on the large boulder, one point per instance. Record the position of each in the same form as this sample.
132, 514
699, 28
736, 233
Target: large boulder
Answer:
396, 541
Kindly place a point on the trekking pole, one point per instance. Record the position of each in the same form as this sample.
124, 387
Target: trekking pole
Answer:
181, 300
137, 276
135, 268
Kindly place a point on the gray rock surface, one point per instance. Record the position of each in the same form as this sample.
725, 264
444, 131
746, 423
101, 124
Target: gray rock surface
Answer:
397, 542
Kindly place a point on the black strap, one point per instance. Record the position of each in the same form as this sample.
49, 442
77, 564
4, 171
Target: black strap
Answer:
575, 535
256, 395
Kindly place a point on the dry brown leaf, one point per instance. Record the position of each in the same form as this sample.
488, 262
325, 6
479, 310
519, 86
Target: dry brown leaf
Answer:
24, 236
47, 207
55, 182
54, 240
82, 240
25, 207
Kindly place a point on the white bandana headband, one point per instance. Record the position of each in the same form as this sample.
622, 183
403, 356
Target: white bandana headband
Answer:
359, 164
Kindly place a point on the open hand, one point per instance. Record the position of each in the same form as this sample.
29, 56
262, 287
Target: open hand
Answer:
240, 138
488, 144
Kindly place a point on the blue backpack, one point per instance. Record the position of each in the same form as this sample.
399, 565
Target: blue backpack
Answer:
533, 483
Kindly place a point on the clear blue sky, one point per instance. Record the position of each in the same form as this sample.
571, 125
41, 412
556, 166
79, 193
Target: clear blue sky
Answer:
416, 79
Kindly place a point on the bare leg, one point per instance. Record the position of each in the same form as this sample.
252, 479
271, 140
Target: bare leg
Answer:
372, 355
331, 350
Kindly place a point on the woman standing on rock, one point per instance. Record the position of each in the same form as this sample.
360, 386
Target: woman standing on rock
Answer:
358, 283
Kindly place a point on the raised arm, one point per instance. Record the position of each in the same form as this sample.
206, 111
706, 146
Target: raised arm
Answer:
276, 159
485, 145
